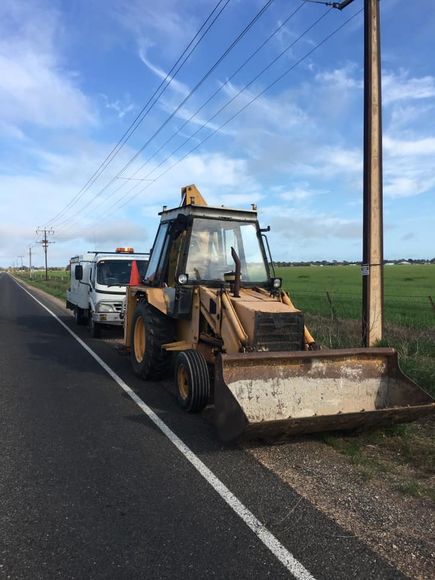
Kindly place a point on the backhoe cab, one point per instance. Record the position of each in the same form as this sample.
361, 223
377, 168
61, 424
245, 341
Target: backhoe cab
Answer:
210, 296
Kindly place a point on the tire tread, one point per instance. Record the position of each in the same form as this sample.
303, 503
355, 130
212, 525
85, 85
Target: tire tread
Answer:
199, 380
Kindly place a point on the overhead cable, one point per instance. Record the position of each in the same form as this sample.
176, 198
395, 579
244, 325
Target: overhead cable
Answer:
191, 92
170, 76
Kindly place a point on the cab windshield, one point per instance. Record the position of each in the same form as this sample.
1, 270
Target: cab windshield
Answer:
117, 272
209, 253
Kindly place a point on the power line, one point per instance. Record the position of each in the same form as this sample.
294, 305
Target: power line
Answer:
260, 94
150, 103
191, 92
223, 107
217, 91
210, 98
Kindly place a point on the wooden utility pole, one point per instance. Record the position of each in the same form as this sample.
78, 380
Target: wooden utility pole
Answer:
45, 242
373, 254
373, 245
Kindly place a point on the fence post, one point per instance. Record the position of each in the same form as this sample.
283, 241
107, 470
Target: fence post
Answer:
331, 305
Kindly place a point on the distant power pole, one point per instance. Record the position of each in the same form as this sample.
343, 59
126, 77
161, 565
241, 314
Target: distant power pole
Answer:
46, 232
30, 262
21, 258
373, 251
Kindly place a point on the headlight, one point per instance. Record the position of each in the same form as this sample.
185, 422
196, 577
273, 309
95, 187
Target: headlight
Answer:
183, 278
277, 283
105, 307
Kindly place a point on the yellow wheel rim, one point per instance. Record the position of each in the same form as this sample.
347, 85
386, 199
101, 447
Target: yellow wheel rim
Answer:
139, 339
183, 382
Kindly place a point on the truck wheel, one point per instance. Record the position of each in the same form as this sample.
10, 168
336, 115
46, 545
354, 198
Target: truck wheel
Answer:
79, 316
94, 327
192, 380
149, 330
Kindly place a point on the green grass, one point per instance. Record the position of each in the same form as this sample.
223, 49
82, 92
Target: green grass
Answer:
406, 290
56, 285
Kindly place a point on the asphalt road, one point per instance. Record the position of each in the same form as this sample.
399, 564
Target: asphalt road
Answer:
90, 487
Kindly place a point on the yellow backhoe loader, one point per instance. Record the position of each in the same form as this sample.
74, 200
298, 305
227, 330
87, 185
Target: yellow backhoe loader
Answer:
211, 306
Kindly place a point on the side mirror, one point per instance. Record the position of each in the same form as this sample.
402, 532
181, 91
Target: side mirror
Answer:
78, 272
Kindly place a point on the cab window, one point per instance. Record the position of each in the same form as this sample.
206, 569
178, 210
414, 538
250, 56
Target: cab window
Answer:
156, 254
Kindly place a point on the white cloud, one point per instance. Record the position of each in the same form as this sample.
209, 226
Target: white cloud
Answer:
222, 180
295, 195
174, 85
161, 25
408, 166
35, 88
113, 233
424, 146
397, 186
341, 78
396, 87
404, 115
120, 106
310, 225
270, 112
9, 130
340, 160
400, 87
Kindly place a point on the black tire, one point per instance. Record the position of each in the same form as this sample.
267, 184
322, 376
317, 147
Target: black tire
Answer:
149, 330
79, 316
94, 327
192, 380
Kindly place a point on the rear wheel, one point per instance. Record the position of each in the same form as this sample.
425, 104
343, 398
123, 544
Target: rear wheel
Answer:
192, 380
149, 330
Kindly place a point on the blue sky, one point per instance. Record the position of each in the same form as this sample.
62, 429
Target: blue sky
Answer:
74, 75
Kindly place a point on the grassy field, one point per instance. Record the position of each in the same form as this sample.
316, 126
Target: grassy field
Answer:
57, 283
406, 289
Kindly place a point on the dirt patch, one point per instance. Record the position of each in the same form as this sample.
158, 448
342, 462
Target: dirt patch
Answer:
400, 528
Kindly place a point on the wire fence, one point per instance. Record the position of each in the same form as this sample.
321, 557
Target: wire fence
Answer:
415, 310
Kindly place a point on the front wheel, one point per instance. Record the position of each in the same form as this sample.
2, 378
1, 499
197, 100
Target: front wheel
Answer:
79, 316
192, 380
94, 327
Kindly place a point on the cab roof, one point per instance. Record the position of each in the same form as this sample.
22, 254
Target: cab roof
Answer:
206, 211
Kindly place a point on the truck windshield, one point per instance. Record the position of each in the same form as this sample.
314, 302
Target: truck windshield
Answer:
117, 272
209, 254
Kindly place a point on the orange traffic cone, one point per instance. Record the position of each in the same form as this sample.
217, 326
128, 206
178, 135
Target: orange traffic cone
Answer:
134, 275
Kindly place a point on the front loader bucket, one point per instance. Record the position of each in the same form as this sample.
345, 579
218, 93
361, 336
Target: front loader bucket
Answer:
263, 394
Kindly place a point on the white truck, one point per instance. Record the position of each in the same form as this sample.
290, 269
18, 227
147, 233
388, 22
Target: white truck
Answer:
98, 284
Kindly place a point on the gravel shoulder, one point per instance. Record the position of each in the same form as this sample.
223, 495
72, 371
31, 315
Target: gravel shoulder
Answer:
399, 528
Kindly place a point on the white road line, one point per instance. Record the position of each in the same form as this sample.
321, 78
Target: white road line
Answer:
268, 539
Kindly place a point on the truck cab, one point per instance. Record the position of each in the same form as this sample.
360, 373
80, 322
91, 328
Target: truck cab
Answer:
98, 285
